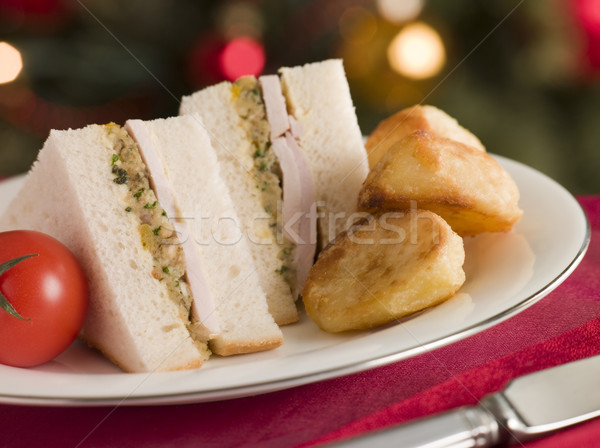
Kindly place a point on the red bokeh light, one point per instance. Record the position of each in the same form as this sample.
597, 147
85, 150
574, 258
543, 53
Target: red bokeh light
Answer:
242, 56
33, 7
587, 13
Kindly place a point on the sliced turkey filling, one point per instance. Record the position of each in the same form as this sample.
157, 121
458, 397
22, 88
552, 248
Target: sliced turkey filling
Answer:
282, 172
149, 201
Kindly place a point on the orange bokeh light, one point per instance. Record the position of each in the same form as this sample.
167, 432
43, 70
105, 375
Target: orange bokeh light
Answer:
11, 63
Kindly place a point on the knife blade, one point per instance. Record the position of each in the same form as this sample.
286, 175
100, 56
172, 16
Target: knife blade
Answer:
528, 407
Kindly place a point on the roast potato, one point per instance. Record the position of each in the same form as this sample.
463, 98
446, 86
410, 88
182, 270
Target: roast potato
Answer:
465, 186
382, 268
416, 118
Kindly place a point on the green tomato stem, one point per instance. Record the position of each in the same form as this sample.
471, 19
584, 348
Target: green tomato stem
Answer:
4, 303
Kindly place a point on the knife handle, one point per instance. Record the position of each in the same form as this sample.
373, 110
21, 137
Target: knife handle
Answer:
464, 427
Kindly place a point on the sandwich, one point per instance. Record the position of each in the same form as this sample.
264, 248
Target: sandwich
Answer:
293, 158
145, 210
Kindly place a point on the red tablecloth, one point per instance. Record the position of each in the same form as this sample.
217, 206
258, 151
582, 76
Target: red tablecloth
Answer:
563, 326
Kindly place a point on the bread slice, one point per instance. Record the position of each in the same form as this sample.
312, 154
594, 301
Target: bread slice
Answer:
318, 96
71, 195
234, 153
192, 169
416, 118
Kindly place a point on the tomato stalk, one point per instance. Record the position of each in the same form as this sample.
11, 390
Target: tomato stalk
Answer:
4, 303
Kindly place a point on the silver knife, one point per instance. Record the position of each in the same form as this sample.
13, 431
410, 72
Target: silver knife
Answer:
530, 406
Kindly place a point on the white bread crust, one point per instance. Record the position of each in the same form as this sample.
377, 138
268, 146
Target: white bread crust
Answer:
318, 96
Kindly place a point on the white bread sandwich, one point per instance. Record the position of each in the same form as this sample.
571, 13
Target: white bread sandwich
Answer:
165, 290
290, 151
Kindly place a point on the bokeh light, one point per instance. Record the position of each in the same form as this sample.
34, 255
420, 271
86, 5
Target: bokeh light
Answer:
399, 11
417, 51
589, 11
242, 56
11, 63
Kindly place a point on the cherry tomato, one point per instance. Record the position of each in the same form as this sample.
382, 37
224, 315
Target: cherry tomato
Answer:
49, 290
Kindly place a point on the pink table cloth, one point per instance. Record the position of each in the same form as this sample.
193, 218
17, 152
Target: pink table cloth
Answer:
562, 327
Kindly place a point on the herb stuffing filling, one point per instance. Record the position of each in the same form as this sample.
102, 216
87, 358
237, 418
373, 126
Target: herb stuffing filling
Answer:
249, 105
156, 232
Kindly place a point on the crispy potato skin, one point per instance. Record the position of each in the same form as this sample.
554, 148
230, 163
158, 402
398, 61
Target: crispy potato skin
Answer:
393, 129
404, 123
383, 268
463, 185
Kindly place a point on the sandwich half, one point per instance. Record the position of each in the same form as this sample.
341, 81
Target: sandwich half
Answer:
164, 290
294, 161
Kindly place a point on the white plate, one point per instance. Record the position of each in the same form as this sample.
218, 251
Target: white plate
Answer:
505, 274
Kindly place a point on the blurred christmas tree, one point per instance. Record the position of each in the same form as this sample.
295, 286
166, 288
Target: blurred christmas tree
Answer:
520, 74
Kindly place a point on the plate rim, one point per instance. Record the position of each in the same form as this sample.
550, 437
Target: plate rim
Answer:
232, 392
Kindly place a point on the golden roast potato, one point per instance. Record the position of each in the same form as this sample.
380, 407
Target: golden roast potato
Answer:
416, 118
465, 186
384, 267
